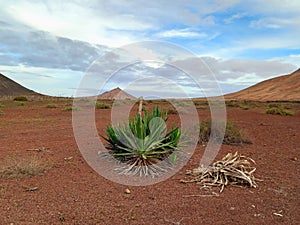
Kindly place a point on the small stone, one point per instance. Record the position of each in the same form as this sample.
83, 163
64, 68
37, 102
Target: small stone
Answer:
68, 158
232, 208
295, 159
127, 191
152, 197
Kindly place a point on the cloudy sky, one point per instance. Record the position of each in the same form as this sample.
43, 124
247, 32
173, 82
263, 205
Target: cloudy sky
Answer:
50, 46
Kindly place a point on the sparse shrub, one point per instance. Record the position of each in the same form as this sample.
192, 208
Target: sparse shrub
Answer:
21, 99
172, 111
143, 142
120, 102
21, 104
1, 105
200, 103
182, 103
1, 112
51, 106
101, 105
232, 136
273, 105
180, 111
279, 110
245, 104
68, 109
84, 100
23, 167
244, 107
231, 103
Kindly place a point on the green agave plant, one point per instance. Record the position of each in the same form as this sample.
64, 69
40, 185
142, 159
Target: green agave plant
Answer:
143, 142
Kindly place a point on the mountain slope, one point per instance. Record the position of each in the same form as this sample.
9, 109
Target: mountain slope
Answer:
282, 88
9, 87
116, 93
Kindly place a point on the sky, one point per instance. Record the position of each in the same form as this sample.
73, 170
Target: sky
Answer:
178, 47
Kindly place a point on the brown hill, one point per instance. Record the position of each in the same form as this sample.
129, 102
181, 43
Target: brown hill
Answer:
9, 87
282, 88
116, 93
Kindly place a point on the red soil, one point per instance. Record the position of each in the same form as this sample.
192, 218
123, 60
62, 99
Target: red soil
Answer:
72, 193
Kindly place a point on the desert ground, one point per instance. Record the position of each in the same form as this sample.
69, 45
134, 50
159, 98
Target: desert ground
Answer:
60, 187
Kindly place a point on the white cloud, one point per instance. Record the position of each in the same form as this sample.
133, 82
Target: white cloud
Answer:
271, 7
77, 21
207, 71
250, 78
293, 59
181, 33
238, 73
231, 75
275, 23
41, 49
112, 23
235, 17
267, 42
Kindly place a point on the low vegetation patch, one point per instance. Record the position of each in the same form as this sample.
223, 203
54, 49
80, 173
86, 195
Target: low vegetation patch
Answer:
1, 112
233, 169
172, 111
21, 104
21, 99
278, 110
69, 108
23, 167
244, 104
143, 142
101, 105
51, 106
200, 102
233, 135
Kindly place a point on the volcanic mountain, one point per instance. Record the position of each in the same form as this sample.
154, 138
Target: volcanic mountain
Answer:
281, 88
9, 87
116, 93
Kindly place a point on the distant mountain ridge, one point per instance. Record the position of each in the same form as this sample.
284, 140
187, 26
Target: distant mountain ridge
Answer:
116, 93
281, 88
9, 87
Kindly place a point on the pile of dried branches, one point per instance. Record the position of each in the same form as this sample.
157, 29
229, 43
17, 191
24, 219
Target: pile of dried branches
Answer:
233, 169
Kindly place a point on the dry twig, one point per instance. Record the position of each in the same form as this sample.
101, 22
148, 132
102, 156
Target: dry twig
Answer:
43, 149
232, 169
213, 194
31, 189
176, 223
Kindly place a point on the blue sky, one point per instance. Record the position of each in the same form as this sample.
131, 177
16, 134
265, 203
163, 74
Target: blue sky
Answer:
49, 46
